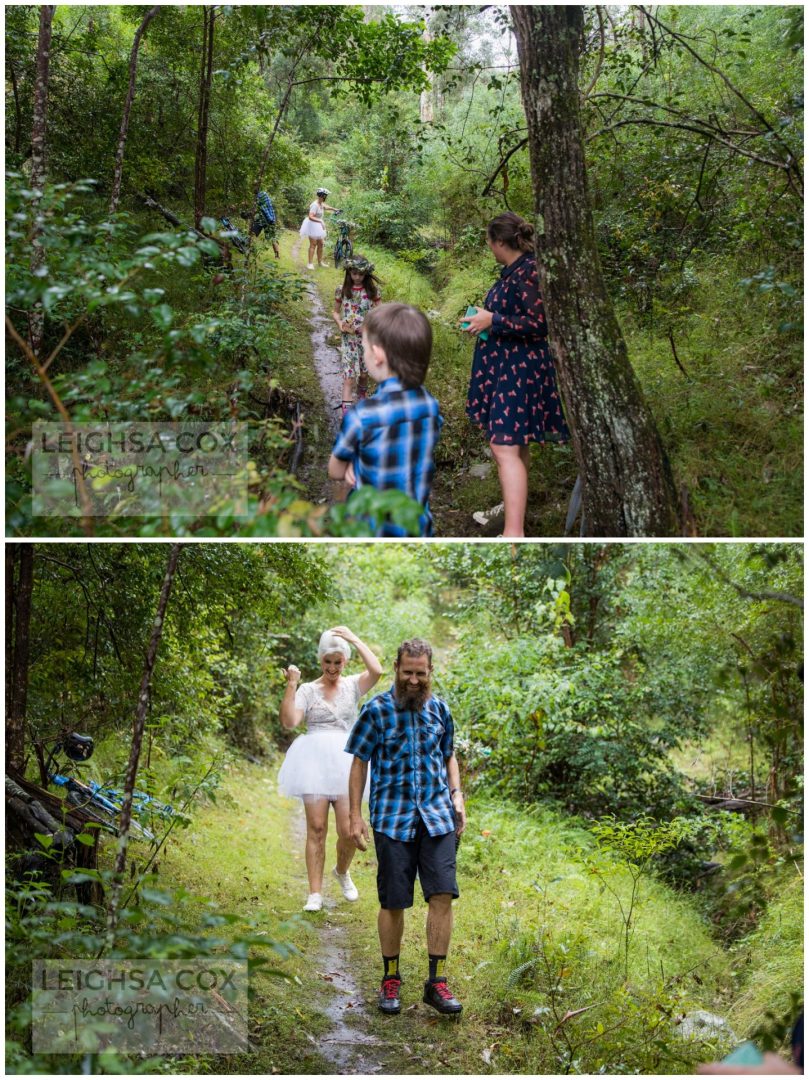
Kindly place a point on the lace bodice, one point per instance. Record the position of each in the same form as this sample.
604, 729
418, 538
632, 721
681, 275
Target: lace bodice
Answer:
339, 714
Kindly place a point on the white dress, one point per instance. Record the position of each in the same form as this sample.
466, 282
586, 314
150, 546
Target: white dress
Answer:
315, 230
316, 764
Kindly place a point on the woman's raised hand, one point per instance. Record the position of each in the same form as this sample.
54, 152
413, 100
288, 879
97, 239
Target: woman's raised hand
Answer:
344, 632
293, 674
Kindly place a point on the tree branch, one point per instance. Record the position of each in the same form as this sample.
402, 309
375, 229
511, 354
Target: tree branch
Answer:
749, 594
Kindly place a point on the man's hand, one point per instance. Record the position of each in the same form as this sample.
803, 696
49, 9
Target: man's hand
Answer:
460, 813
359, 833
350, 477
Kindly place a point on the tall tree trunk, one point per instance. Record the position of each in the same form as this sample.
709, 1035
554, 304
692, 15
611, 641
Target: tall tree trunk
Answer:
137, 740
205, 79
130, 97
39, 148
628, 485
17, 110
426, 98
18, 610
12, 551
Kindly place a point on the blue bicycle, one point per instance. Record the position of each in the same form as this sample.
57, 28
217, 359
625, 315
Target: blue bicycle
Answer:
103, 803
343, 248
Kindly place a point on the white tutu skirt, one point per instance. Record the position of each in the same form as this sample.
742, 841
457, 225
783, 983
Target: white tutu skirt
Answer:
317, 765
313, 229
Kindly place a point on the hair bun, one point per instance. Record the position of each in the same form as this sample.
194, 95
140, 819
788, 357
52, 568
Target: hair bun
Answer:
526, 230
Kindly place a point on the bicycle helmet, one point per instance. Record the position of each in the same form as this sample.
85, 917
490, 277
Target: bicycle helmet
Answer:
78, 747
322, 191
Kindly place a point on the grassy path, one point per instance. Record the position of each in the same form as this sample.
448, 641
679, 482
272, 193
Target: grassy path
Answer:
534, 938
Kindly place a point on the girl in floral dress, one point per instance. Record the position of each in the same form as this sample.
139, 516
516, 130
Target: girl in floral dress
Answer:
352, 302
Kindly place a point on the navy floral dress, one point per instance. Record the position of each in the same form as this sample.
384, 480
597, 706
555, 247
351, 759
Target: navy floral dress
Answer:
512, 393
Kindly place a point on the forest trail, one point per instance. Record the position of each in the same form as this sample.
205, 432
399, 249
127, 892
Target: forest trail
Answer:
326, 361
348, 1047
317, 1014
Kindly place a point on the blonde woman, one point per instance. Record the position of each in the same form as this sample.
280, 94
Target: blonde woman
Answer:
316, 766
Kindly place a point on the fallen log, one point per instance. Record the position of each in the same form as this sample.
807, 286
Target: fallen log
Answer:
172, 219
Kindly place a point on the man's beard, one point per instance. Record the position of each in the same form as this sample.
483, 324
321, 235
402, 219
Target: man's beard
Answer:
410, 698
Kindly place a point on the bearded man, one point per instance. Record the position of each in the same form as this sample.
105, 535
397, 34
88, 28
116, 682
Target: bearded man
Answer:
417, 814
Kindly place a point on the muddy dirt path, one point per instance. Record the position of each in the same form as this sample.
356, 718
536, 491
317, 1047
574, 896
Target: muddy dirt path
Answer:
326, 359
345, 1045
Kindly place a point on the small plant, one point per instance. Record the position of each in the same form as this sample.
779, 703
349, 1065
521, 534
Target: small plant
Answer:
637, 844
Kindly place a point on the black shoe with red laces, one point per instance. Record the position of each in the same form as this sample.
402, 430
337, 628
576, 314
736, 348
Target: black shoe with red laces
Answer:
439, 995
389, 996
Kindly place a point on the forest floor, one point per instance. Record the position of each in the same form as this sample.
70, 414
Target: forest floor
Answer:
466, 477
245, 856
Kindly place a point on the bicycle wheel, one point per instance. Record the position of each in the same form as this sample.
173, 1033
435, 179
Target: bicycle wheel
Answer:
338, 254
348, 249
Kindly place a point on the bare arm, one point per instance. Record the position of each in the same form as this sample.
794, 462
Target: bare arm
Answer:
337, 313
290, 716
356, 786
454, 779
373, 668
337, 468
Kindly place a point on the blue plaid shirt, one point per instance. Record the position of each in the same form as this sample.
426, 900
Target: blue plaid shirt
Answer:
408, 752
390, 439
266, 208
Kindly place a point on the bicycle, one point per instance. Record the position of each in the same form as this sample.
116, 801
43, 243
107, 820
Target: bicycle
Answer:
343, 248
232, 233
103, 803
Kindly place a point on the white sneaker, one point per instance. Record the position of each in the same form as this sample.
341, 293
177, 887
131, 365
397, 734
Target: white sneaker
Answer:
347, 885
310, 266
314, 903
488, 517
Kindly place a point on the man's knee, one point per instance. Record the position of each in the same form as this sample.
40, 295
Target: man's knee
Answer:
440, 900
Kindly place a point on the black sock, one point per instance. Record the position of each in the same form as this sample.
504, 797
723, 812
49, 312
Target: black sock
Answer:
437, 968
391, 964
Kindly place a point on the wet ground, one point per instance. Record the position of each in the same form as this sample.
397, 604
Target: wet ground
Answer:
345, 1045
326, 360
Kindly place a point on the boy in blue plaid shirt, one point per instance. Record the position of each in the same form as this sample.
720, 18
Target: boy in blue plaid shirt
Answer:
388, 441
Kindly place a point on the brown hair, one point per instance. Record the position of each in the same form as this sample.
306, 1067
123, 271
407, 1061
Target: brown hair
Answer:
415, 647
405, 335
370, 283
513, 231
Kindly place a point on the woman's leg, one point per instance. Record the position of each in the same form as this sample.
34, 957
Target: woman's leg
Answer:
513, 472
311, 250
345, 845
319, 252
317, 824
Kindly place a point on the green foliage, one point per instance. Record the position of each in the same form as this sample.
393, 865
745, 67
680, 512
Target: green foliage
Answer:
154, 923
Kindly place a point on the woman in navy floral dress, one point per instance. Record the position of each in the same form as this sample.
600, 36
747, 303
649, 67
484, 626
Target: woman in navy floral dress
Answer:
513, 394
